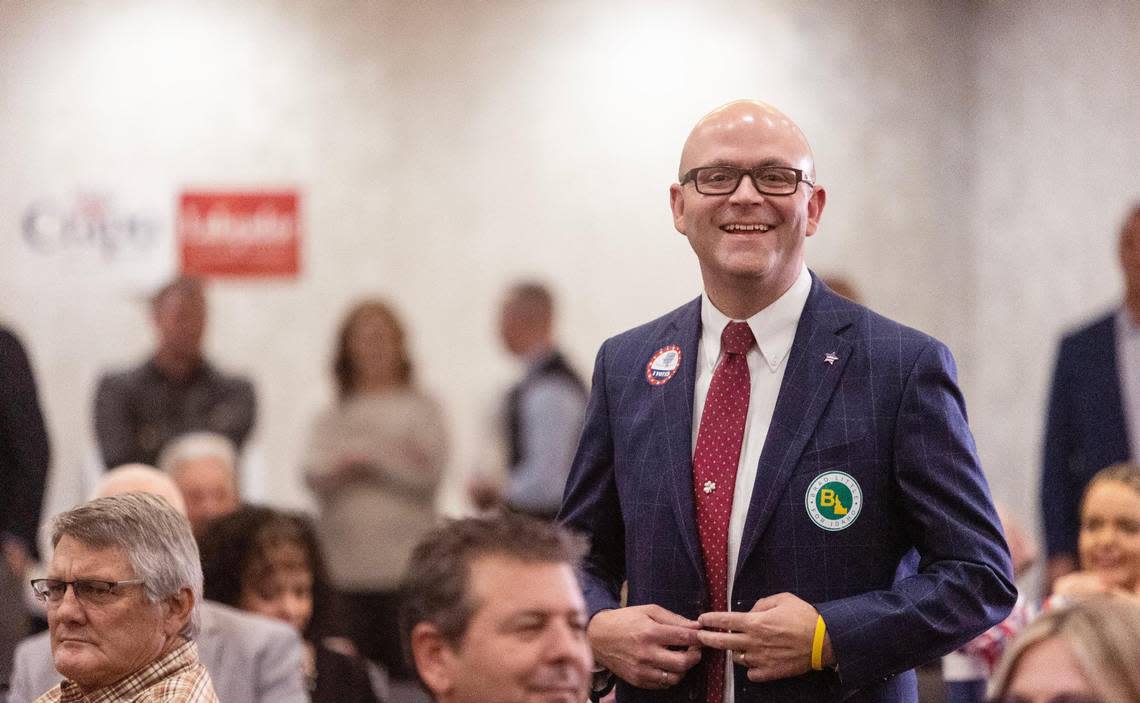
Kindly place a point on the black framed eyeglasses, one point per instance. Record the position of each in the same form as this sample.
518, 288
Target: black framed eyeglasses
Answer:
768, 180
90, 591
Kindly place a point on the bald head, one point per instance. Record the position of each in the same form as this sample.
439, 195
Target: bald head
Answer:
745, 122
747, 232
140, 478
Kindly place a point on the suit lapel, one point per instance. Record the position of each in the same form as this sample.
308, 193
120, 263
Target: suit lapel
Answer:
815, 365
675, 406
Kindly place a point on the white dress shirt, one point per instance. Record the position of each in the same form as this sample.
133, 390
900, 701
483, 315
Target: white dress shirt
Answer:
1128, 364
774, 328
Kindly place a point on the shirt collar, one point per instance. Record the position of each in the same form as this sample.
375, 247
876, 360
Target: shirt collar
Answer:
774, 327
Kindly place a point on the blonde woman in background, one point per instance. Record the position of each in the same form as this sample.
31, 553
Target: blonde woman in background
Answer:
374, 462
1087, 652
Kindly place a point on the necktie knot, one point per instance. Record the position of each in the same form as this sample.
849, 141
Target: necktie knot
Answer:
737, 338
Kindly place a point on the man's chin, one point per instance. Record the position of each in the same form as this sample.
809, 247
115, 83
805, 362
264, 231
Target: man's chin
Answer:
73, 658
558, 694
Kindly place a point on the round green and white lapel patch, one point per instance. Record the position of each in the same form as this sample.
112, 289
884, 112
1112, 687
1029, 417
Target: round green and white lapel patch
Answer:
833, 500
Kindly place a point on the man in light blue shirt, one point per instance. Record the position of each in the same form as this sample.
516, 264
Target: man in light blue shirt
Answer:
543, 412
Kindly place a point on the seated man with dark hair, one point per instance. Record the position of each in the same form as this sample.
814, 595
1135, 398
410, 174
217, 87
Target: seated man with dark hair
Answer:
492, 613
122, 598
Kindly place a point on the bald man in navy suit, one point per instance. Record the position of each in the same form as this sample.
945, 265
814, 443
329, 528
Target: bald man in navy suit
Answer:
861, 537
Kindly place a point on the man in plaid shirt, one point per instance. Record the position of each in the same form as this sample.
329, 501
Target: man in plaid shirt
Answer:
121, 594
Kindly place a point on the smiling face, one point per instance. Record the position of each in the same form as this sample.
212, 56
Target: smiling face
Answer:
526, 641
745, 240
95, 646
1109, 539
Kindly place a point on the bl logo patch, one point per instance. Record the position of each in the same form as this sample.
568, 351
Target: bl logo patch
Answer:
833, 500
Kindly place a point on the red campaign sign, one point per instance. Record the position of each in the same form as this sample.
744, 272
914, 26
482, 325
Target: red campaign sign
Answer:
239, 233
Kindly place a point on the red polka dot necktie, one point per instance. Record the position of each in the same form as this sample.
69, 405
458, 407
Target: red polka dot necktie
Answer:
714, 476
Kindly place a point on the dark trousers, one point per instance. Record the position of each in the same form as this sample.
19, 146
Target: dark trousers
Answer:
371, 622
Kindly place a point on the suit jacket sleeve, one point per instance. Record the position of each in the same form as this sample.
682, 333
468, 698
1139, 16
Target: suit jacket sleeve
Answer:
964, 580
590, 503
1060, 493
24, 450
279, 671
33, 671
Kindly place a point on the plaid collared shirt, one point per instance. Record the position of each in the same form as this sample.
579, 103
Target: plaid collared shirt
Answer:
177, 677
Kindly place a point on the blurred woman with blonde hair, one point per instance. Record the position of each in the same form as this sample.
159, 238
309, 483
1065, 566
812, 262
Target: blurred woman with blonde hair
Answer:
1086, 652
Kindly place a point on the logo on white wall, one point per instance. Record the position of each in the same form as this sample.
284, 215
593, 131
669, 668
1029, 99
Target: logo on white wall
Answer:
253, 233
89, 224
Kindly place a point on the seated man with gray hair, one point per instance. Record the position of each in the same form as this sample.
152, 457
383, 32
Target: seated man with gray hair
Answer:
122, 597
204, 467
251, 659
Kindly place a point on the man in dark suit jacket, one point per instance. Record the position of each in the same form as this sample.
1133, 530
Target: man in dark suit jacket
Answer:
855, 454
1088, 426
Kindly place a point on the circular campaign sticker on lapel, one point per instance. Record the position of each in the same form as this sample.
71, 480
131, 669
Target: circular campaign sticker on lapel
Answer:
833, 500
663, 365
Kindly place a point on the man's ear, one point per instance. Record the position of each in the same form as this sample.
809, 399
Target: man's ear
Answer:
434, 658
677, 205
178, 608
815, 208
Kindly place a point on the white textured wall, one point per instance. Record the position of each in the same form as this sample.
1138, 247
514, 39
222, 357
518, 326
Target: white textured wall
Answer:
443, 148
1055, 119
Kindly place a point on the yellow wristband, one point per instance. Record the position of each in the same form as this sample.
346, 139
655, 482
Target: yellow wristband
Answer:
817, 645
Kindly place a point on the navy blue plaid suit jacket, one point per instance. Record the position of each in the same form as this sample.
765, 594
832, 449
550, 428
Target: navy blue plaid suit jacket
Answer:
887, 412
